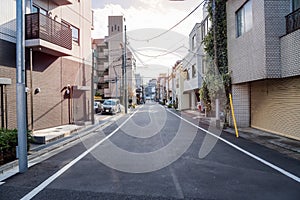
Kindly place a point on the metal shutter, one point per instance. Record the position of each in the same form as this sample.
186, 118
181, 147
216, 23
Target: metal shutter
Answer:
275, 106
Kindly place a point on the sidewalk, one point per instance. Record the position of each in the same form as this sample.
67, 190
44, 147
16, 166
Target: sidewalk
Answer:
63, 136
284, 145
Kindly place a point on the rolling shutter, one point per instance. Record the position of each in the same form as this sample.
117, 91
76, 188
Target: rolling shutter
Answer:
275, 106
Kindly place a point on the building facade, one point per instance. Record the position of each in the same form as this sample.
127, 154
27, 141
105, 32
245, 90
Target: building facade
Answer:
100, 47
194, 63
58, 86
110, 59
263, 57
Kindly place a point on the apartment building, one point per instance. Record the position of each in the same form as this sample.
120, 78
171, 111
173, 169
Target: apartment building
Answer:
161, 89
110, 58
100, 47
194, 63
263, 57
57, 40
181, 98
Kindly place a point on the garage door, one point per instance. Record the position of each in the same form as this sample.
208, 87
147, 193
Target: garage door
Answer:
275, 106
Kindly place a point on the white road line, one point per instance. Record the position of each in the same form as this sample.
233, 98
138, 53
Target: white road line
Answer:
1, 183
282, 171
44, 184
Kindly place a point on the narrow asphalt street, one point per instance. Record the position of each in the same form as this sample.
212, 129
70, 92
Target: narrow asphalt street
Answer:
154, 153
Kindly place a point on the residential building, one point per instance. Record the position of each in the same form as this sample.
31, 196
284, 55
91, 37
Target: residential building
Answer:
110, 62
161, 89
58, 89
150, 89
181, 98
195, 61
263, 58
100, 47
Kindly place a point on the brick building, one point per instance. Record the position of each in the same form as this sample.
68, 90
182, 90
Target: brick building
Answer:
59, 35
263, 57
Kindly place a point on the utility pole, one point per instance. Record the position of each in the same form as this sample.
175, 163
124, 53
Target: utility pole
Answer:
125, 73
20, 88
92, 87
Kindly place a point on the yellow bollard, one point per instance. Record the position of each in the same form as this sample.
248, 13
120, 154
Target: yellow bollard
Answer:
233, 117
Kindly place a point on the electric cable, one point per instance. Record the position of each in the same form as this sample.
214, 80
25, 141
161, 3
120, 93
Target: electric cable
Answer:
157, 36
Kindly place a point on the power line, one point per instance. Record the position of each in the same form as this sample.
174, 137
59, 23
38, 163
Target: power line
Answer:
147, 40
159, 55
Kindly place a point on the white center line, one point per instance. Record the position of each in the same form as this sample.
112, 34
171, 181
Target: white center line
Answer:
282, 171
44, 184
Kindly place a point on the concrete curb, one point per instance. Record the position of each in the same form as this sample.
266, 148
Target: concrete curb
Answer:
9, 169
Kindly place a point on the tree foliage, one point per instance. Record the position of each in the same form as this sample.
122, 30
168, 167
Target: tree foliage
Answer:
215, 82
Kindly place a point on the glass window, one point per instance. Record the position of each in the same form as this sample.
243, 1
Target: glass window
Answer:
36, 9
244, 21
194, 42
295, 4
194, 71
75, 34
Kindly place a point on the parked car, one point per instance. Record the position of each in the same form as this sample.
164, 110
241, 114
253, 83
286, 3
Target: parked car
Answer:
97, 107
111, 106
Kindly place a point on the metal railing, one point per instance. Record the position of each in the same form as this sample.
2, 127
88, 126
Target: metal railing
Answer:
293, 21
39, 26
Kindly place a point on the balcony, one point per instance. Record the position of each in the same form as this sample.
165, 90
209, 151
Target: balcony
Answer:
106, 65
107, 78
105, 51
293, 21
47, 35
62, 2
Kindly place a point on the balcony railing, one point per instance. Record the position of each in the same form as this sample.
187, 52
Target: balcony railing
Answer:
39, 26
293, 21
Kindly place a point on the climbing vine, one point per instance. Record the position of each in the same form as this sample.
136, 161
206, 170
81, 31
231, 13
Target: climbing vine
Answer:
212, 84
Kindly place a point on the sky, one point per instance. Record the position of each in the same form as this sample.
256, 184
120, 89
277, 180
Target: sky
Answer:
146, 19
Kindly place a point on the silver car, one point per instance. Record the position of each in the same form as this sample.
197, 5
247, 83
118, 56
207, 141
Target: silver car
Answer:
111, 106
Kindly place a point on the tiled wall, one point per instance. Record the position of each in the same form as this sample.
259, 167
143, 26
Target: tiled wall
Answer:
241, 103
275, 12
290, 54
256, 54
246, 54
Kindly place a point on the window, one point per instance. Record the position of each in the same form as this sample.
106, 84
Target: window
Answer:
295, 4
36, 9
194, 71
75, 31
75, 34
194, 43
244, 19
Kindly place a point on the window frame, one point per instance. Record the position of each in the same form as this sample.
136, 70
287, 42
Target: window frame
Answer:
294, 5
244, 19
76, 40
39, 10
194, 71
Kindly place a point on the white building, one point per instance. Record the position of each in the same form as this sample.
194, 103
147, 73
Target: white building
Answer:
194, 63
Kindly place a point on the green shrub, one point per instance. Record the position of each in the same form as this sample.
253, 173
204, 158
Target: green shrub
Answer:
8, 143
